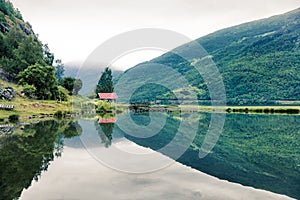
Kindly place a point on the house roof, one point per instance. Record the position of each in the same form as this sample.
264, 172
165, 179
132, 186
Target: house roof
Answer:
108, 96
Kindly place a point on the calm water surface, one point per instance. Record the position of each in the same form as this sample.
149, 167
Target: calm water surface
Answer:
261, 151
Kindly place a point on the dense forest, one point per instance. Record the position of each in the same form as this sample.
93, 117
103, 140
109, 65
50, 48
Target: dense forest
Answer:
259, 62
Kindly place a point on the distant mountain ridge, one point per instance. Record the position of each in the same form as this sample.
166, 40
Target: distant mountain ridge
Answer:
259, 62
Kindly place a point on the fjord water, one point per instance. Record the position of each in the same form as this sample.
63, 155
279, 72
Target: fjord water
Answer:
261, 151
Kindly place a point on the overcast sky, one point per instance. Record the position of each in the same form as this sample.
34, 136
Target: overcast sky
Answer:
73, 29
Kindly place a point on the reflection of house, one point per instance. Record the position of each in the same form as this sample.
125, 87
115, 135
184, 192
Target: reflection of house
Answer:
106, 121
108, 96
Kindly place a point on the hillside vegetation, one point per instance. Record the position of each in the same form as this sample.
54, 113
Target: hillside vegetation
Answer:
27, 70
259, 62
26, 107
19, 45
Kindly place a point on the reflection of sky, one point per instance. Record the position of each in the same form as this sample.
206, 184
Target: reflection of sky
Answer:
77, 175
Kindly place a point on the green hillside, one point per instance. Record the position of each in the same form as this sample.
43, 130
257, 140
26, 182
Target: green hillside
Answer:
259, 62
26, 69
19, 45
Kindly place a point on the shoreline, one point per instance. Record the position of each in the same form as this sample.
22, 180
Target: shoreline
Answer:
62, 111
290, 110
30, 108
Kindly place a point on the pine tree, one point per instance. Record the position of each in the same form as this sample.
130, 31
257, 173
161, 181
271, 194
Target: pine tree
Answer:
105, 84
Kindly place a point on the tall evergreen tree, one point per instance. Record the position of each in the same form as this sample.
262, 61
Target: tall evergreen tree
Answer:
59, 70
48, 56
105, 84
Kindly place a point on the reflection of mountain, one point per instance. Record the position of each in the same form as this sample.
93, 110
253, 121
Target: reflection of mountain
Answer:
24, 157
73, 142
254, 150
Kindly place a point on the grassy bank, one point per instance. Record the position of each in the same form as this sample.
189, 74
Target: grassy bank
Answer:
25, 107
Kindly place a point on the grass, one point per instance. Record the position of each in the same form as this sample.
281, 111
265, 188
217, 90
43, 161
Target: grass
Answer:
28, 107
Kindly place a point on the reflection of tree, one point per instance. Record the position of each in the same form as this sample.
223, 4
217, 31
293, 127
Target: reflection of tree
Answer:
7, 130
23, 157
105, 132
59, 145
72, 129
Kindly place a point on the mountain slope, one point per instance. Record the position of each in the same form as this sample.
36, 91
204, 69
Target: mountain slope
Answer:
9, 17
259, 62
19, 45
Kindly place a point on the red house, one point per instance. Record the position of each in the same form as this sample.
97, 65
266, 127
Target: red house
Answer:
108, 96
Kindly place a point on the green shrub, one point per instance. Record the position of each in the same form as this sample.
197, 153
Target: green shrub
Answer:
14, 118
29, 91
63, 93
58, 113
103, 106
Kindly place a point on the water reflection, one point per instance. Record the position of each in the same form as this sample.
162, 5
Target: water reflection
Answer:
24, 155
105, 126
262, 151
176, 132
105, 131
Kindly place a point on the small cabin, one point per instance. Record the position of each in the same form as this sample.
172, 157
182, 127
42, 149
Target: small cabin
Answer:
108, 96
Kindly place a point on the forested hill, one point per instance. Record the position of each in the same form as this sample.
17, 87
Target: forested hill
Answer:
259, 61
25, 60
19, 45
